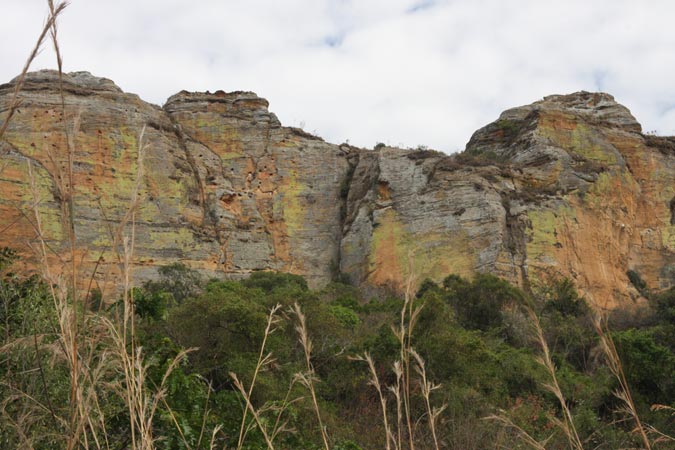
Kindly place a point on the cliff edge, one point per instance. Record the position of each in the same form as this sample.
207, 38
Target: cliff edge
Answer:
568, 186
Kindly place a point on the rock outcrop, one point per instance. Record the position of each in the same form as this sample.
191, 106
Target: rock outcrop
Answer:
567, 186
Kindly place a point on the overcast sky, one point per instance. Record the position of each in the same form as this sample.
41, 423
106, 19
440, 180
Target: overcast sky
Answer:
402, 72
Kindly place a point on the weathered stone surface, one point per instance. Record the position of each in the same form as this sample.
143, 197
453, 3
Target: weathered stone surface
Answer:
103, 125
567, 185
225, 189
268, 194
419, 216
595, 193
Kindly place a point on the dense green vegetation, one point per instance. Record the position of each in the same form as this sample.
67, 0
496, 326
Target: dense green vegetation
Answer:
474, 336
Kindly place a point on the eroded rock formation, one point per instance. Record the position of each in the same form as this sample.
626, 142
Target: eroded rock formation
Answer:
568, 185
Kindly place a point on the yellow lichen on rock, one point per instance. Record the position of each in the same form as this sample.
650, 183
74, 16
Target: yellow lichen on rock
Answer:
395, 252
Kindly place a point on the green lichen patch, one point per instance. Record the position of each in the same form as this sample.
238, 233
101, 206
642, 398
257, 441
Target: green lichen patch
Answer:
668, 237
609, 190
395, 252
578, 138
289, 203
542, 237
179, 238
212, 131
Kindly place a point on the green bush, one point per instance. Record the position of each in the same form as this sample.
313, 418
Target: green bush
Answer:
564, 298
649, 366
268, 281
478, 304
637, 282
176, 280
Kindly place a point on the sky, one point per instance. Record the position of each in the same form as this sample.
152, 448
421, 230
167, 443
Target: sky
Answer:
407, 73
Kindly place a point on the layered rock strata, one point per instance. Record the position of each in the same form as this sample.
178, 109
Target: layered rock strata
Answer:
567, 186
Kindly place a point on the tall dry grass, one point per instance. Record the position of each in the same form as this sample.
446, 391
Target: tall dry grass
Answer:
306, 378
404, 433
649, 436
96, 349
623, 392
567, 424
374, 381
49, 26
264, 360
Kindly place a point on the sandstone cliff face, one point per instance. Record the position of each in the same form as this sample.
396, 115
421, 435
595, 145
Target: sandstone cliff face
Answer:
595, 194
224, 188
567, 185
267, 195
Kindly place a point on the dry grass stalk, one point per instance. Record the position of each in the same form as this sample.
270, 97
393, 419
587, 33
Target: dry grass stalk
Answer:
141, 404
279, 426
19, 425
375, 382
623, 393
263, 360
67, 330
308, 378
256, 415
72, 336
68, 193
401, 390
204, 417
427, 388
524, 436
662, 437
659, 437
81, 345
396, 390
92, 346
567, 424
49, 25
81, 341
214, 433
408, 318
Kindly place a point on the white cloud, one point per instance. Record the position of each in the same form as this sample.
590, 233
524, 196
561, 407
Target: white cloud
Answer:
409, 72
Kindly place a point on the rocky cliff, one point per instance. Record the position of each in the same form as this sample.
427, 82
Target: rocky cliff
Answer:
566, 186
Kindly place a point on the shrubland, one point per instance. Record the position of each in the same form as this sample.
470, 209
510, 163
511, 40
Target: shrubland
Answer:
474, 364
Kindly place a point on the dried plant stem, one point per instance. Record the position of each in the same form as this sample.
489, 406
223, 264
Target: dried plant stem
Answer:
396, 390
70, 147
660, 435
545, 360
204, 417
132, 362
66, 199
254, 413
308, 378
615, 366
524, 435
91, 345
375, 382
69, 216
427, 389
15, 102
408, 317
84, 376
280, 426
263, 360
